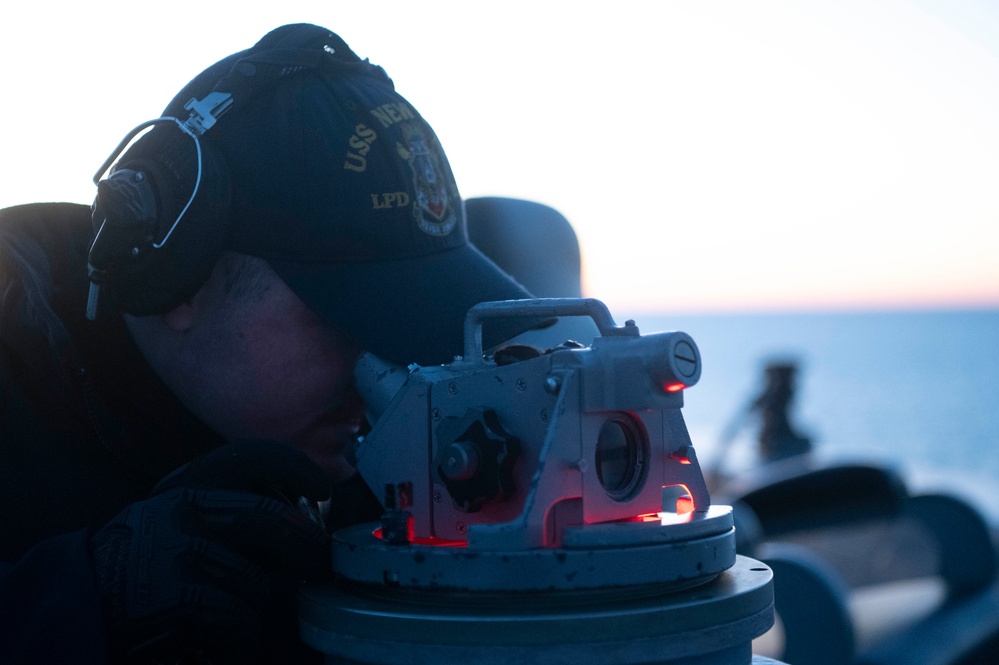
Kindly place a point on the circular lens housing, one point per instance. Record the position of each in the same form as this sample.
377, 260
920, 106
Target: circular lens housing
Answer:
621, 454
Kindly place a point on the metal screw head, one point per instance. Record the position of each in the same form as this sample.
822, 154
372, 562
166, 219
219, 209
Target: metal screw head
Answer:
452, 388
460, 528
686, 358
438, 497
521, 385
436, 414
459, 461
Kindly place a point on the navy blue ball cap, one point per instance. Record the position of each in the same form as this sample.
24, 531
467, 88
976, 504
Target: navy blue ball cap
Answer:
342, 186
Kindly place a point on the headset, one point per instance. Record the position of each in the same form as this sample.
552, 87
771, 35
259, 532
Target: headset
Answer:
161, 218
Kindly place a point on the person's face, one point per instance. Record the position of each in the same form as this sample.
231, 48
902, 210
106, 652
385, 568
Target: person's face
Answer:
259, 366
293, 379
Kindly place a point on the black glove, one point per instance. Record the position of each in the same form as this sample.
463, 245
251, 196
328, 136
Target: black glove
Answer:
206, 568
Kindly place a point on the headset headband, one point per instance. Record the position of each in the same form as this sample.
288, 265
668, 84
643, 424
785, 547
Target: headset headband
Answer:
129, 196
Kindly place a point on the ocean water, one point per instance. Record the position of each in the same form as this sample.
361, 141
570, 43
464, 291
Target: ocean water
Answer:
919, 390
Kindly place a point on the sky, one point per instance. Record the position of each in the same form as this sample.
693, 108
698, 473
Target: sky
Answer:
712, 156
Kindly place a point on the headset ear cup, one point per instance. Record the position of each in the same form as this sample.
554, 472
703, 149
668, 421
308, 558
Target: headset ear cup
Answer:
155, 279
124, 219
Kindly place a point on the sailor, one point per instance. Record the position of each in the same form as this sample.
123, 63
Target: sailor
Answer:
176, 387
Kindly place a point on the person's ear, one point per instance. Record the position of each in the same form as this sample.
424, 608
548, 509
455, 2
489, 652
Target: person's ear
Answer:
181, 317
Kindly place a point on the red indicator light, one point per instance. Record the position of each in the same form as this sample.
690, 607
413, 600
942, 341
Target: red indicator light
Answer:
664, 518
680, 495
682, 507
674, 387
436, 542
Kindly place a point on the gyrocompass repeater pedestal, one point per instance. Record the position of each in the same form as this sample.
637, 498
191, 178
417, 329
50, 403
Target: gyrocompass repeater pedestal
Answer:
544, 507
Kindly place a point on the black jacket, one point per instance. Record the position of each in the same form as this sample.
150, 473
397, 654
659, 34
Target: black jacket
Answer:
86, 428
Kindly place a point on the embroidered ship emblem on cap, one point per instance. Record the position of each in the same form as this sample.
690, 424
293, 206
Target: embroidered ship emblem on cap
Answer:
433, 190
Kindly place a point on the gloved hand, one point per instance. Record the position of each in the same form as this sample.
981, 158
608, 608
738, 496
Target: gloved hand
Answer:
190, 572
